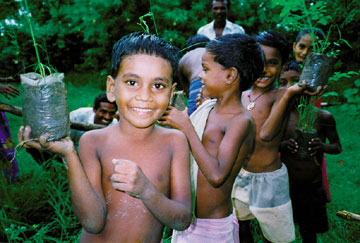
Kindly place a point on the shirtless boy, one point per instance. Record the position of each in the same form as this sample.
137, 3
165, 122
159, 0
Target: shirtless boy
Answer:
261, 189
307, 193
221, 135
133, 178
190, 68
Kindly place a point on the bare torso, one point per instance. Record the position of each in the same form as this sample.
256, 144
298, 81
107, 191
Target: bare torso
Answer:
128, 219
216, 202
190, 67
303, 171
265, 157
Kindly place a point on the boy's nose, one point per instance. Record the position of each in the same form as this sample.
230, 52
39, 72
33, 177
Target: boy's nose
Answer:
144, 94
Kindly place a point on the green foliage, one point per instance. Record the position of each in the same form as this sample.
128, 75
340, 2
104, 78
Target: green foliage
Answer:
37, 208
298, 15
307, 113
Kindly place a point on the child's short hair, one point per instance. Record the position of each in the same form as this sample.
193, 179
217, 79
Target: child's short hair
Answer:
317, 32
144, 43
240, 51
276, 40
196, 41
102, 98
292, 65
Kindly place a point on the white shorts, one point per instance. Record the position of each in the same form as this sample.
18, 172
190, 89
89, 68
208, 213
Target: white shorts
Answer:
265, 196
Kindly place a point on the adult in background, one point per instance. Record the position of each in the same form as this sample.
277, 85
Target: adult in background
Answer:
190, 68
103, 113
8, 164
220, 25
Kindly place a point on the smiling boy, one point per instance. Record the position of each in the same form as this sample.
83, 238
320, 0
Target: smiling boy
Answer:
221, 135
133, 178
261, 189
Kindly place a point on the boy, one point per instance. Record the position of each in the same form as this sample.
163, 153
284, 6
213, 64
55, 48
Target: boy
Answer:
307, 193
220, 134
261, 189
133, 178
190, 68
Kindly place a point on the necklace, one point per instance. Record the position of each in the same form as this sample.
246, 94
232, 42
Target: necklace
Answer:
251, 105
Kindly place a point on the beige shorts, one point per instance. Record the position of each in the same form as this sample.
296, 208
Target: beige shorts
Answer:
265, 196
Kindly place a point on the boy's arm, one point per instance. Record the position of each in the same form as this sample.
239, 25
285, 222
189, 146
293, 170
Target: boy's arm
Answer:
273, 124
328, 125
174, 212
84, 178
216, 168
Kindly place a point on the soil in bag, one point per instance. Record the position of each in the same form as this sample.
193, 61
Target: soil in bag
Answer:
45, 107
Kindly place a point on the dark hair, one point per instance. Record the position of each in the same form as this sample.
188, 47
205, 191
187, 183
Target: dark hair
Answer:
276, 40
317, 32
240, 51
292, 65
102, 98
143, 43
196, 41
227, 3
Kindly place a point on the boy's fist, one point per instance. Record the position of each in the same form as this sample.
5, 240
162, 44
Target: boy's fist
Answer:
128, 177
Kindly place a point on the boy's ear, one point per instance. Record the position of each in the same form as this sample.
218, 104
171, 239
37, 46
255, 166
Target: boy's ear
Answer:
172, 91
110, 88
232, 75
294, 45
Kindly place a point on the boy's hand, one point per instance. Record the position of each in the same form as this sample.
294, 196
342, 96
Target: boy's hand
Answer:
175, 118
316, 146
61, 147
7, 90
291, 145
128, 177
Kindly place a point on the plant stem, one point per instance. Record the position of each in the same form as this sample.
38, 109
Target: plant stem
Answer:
42, 72
153, 17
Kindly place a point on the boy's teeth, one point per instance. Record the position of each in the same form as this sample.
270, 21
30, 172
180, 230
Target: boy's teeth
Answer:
141, 109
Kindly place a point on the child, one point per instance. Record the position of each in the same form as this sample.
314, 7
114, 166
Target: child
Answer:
306, 187
190, 68
306, 176
133, 178
290, 74
220, 134
303, 43
261, 189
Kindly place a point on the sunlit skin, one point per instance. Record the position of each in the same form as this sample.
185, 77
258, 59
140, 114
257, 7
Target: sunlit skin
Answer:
264, 86
105, 113
303, 48
219, 10
226, 143
190, 67
288, 78
133, 178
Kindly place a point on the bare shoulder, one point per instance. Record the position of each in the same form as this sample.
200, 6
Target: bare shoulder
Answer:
170, 135
242, 120
326, 118
97, 136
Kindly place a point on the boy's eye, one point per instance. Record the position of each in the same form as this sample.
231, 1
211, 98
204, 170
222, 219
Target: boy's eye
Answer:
159, 86
131, 82
273, 63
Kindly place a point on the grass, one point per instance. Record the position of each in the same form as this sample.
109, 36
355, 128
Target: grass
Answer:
38, 209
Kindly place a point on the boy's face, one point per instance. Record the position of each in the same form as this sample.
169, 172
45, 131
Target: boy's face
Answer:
212, 75
272, 67
288, 78
142, 89
105, 113
302, 48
